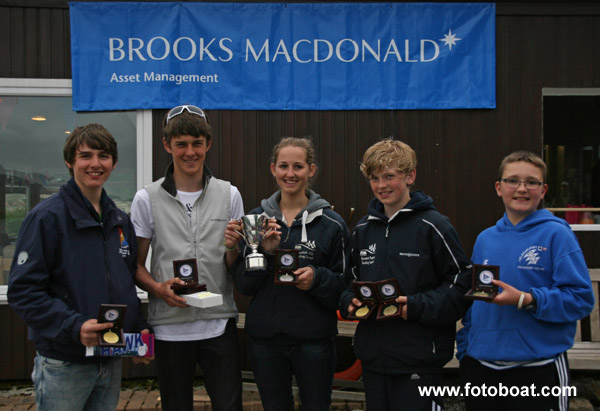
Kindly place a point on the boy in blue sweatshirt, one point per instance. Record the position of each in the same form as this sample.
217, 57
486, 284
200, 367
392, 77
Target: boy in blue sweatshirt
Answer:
520, 339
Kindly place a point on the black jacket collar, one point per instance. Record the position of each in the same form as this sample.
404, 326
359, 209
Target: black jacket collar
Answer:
81, 209
169, 183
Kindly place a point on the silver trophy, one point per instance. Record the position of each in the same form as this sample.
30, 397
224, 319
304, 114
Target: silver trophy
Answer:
253, 234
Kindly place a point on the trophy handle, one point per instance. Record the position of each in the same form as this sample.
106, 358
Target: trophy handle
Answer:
241, 222
243, 236
267, 218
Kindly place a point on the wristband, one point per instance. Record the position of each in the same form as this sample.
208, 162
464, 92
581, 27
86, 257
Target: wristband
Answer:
521, 298
229, 248
532, 307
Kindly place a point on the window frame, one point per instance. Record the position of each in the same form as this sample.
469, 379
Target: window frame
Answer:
572, 91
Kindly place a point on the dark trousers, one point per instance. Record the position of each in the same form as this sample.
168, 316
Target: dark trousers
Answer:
313, 364
555, 374
220, 362
397, 392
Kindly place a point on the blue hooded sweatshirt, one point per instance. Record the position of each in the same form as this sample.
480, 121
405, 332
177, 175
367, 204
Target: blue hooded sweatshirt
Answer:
539, 255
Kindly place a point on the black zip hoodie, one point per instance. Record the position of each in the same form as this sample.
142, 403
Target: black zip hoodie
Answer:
283, 313
420, 248
66, 264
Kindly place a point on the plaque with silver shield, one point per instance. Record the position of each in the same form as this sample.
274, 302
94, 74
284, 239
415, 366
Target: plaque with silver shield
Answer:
187, 271
286, 262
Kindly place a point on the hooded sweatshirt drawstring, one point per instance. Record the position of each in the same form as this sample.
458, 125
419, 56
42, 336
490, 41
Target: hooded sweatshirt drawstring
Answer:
304, 237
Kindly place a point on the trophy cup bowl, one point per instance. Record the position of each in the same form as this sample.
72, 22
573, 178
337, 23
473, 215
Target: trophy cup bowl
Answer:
253, 234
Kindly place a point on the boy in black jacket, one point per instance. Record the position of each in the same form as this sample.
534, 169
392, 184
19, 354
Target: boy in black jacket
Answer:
406, 238
76, 250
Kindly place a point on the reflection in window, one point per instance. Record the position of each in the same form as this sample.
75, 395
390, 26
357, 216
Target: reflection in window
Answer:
572, 152
32, 134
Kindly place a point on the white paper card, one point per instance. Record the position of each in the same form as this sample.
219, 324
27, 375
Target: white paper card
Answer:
203, 299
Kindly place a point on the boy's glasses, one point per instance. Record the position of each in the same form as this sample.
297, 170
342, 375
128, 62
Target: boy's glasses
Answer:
514, 183
180, 109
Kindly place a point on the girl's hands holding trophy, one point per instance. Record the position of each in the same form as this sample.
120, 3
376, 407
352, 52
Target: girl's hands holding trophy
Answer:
257, 230
272, 238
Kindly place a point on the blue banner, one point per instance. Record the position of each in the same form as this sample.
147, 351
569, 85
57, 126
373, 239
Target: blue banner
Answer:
283, 56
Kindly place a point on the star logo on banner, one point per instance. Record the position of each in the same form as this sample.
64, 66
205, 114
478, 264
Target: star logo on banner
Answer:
450, 39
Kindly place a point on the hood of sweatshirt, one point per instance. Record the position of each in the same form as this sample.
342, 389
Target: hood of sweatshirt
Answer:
313, 209
419, 201
532, 220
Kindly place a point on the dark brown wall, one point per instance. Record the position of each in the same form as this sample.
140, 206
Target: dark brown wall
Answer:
458, 150
550, 44
539, 44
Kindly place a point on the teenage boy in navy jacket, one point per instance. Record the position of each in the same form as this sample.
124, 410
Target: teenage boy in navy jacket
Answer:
75, 251
404, 237
522, 336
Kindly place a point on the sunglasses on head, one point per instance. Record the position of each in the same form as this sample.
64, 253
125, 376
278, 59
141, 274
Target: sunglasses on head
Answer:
180, 109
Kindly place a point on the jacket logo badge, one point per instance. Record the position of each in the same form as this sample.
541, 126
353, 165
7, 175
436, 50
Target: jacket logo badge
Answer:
530, 257
306, 251
368, 251
409, 254
124, 248
367, 255
309, 244
22, 257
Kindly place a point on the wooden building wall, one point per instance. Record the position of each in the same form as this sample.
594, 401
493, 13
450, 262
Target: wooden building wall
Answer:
538, 44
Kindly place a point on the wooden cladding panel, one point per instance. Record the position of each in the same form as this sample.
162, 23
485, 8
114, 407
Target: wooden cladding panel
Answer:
16, 351
35, 42
455, 146
458, 150
537, 45
590, 245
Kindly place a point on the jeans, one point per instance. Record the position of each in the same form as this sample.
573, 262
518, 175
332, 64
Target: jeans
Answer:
219, 359
61, 385
313, 364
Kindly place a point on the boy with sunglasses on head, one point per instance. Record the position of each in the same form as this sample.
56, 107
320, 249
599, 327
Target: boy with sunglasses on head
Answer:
520, 339
184, 215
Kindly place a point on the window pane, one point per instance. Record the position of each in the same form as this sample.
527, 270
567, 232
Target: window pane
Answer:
31, 159
572, 153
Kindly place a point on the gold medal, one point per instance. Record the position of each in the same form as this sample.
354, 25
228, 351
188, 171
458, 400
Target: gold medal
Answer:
390, 310
110, 337
361, 312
